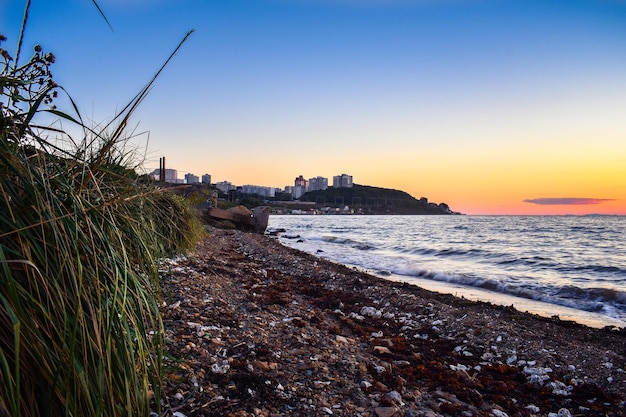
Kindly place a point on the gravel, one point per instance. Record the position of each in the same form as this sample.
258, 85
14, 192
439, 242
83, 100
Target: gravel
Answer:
258, 329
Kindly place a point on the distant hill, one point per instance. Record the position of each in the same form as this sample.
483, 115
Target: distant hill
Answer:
375, 200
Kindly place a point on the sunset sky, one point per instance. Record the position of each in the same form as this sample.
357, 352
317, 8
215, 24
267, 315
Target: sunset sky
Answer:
491, 106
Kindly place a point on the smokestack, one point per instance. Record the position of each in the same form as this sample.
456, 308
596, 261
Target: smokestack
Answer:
162, 169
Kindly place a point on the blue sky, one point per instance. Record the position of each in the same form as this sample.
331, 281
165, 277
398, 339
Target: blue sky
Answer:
481, 104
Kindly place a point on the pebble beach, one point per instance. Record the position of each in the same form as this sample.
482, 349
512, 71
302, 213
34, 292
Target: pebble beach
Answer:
255, 328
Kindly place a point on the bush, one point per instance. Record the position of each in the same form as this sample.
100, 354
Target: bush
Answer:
79, 240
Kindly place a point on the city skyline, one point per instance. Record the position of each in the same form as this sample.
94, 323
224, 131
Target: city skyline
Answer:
493, 107
174, 175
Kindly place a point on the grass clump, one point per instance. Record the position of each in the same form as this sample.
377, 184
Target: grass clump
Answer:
79, 240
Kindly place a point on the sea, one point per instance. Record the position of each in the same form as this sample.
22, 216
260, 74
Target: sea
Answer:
573, 267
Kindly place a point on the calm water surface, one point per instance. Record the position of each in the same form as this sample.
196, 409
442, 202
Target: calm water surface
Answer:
560, 261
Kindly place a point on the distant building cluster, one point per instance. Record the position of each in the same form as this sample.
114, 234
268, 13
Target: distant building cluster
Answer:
258, 190
302, 186
299, 188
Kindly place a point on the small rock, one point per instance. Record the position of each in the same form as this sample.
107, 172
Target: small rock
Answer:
379, 369
382, 350
563, 412
371, 312
220, 368
386, 411
262, 365
393, 398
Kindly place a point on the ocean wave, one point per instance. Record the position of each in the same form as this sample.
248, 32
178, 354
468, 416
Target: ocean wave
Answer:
557, 260
604, 300
597, 269
346, 241
447, 252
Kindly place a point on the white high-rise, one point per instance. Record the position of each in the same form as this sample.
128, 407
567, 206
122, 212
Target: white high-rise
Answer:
342, 181
317, 183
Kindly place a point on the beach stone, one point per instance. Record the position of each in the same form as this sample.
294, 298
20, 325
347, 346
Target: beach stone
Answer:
243, 210
386, 411
261, 214
371, 312
392, 398
563, 412
382, 350
262, 365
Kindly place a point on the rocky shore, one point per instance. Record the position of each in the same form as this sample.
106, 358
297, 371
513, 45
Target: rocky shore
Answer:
258, 329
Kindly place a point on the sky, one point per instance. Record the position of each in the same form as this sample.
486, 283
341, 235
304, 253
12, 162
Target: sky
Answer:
490, 106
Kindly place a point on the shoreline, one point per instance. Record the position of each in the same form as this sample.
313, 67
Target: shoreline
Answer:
593, 305
541, 308
256, 328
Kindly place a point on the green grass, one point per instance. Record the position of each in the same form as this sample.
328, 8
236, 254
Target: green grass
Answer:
80, 237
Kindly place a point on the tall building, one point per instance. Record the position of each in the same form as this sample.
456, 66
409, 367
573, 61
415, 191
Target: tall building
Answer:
298, 192
191, 178
342, 181
299, 187
300, 182
317, 183
206, 179
258, 190
225, 186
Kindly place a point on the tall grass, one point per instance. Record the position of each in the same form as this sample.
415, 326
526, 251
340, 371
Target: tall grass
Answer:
80, 328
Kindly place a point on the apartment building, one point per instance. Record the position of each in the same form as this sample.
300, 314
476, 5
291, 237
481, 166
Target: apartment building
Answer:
317, 183
259, 190
225, 186
342, 181
192, 179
